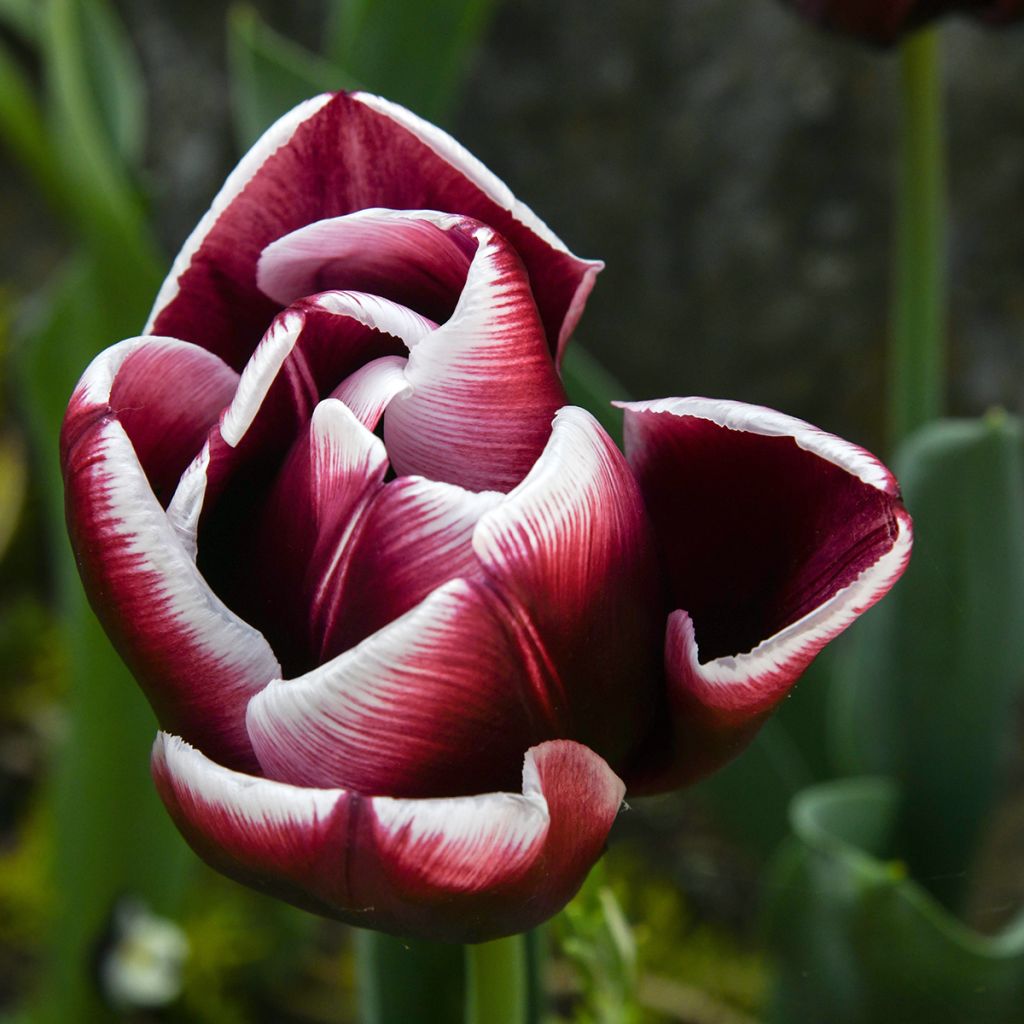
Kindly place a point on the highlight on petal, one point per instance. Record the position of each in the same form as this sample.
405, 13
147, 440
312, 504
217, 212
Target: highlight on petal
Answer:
435, 703
775, 536
331, 156
456, 869
483, 388
571, 555
197, 662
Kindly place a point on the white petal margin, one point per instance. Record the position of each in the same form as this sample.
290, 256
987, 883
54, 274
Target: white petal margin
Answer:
369, 390
276, 136
196, 660
758, 419
459, 869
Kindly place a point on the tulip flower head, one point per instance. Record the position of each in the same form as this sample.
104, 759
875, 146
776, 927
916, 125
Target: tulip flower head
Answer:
410, 622
885, 21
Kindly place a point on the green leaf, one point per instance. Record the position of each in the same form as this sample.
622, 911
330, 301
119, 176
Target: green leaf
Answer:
590, 386
112, 836
859, 943
270, 74
412, 52
926, 688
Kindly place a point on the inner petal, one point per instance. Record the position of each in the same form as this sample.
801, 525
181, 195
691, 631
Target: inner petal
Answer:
416, 536
418, 259
755, 529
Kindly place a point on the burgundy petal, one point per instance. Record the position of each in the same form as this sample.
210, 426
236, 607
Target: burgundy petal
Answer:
483, 389
165, 393
775, 536
197, 662
329, 157
456, 869
570, 553
415, 536
436, 703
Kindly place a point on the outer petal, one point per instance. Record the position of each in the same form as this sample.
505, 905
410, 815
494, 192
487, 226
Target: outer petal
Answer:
458, 869
332, 156
436, 703
570, 553
197, 662
775, 537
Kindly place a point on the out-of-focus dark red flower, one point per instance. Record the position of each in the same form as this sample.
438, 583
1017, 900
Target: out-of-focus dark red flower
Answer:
885, 21
407, 619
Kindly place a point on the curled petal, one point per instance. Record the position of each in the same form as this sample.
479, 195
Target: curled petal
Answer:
456, 869
197, 662
331, 156
775, 536
416, 258
569, 552
483, 389
435, 703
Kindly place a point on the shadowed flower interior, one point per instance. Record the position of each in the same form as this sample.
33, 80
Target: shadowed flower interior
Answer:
758, 532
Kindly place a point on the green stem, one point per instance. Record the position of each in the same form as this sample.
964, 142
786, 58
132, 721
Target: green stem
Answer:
497, 982
917, 371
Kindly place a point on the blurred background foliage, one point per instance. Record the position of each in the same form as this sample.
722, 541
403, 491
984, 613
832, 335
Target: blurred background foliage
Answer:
864, 860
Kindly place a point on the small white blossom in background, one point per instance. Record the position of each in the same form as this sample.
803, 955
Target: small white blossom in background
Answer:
142, 967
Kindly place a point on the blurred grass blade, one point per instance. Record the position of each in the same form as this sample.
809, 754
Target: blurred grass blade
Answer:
13, 479
590, 386
115, 79
402, 980
270, 74
23, 130
927, 686
412, 52
107, 208
112, 836
859, 942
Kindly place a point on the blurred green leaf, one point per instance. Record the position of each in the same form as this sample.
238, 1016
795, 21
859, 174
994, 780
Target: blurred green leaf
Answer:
115, 79
412, 52
398, 978
94, 127
23, 128
927, 684
22, 16
270, 74
859, 942
113, 837
592, 387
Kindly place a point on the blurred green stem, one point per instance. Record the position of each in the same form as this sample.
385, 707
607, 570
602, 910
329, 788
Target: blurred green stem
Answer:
497, 982
917, 369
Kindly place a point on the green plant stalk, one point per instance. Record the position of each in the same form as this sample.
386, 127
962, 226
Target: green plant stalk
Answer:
497, 981
918, 357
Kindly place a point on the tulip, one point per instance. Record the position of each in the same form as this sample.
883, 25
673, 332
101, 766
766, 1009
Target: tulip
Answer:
406, 618
885, 21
